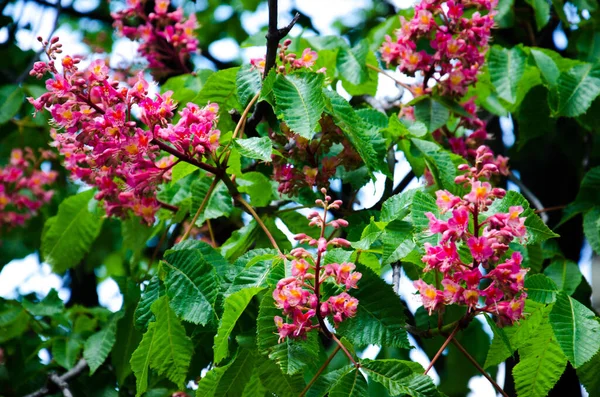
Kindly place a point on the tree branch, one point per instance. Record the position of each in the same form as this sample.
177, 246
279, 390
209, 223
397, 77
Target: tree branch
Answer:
56, 383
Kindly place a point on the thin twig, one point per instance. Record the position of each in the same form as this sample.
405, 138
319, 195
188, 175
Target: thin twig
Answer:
56, 382
200, 208
211, 233
476, 364
439, 353
529, 194
383, 72
548, 209
251, 211
320, 371
341, 345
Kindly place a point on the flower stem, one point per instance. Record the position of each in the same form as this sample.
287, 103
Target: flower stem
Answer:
202, 205
320, 371
439, 353
476, 364
341, 345
251, 211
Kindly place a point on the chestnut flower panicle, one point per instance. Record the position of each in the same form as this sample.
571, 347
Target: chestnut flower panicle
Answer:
166, 37
457, 36
488, 244
24, 187
288, 61
299, 295
104, 147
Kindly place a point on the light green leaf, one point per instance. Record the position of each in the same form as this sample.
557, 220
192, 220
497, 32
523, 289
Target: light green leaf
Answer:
181, 170
192, 285
541, 364
276, 382
499, 334
565, 274
423, 203
220, 88
352, 62
591, 228
352, 384
229, 380
258, 187
235, 304
541, 10
400, 377
397, 206
577, 89
506, 67
165, 347
143, 315
397, 242
548, 69
70, 236
185, 87
431, 113
299, 101
255, 148
127, 339
576, 329
99, 345
249, 83
11, 99
48, 306
541, 288
65, 351
380, 316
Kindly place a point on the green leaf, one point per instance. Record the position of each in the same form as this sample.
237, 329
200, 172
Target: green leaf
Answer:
192, 285
591, 228
299, 101
70, 236
99, 345
576, 329
65, 351
186, 86
397, 206
11, 99
352, 62
577, 88
165, 347
240, 240
291, 355
249, 83
48, 306
400, 377
258, 265
423, 203
181, 170
235, 304
220, 88
364, 139
499, 334
533, 116
541, 288
143, 315
352, 384
565, 274
228, 380
397, 242
588, 376
258, 187
255, 148
541, 364
431, 113
380, 316
541, 10
506, 67
548, 69
587, 197
127, 339
278, 383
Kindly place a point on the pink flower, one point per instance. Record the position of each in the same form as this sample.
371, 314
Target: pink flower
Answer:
431, 297
307, 59
480, 248
446, 200
480, 192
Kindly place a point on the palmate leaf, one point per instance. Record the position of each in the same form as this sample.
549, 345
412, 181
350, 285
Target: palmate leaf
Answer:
192, 285
506, 67
291, 355
380, 316
299, 100
576, 329
72, 231
541, 364
165, 348
541, 288
565, 274
235, 304
400, 377
229, 380
577, 88
99, 345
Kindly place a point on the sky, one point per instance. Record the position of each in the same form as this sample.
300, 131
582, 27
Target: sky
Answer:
29, 276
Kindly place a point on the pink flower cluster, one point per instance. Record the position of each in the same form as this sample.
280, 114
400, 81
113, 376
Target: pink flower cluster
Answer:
458, 38
101, 143
299, 295
288, 61
308, 163
24, 188
488, 243
166, 36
